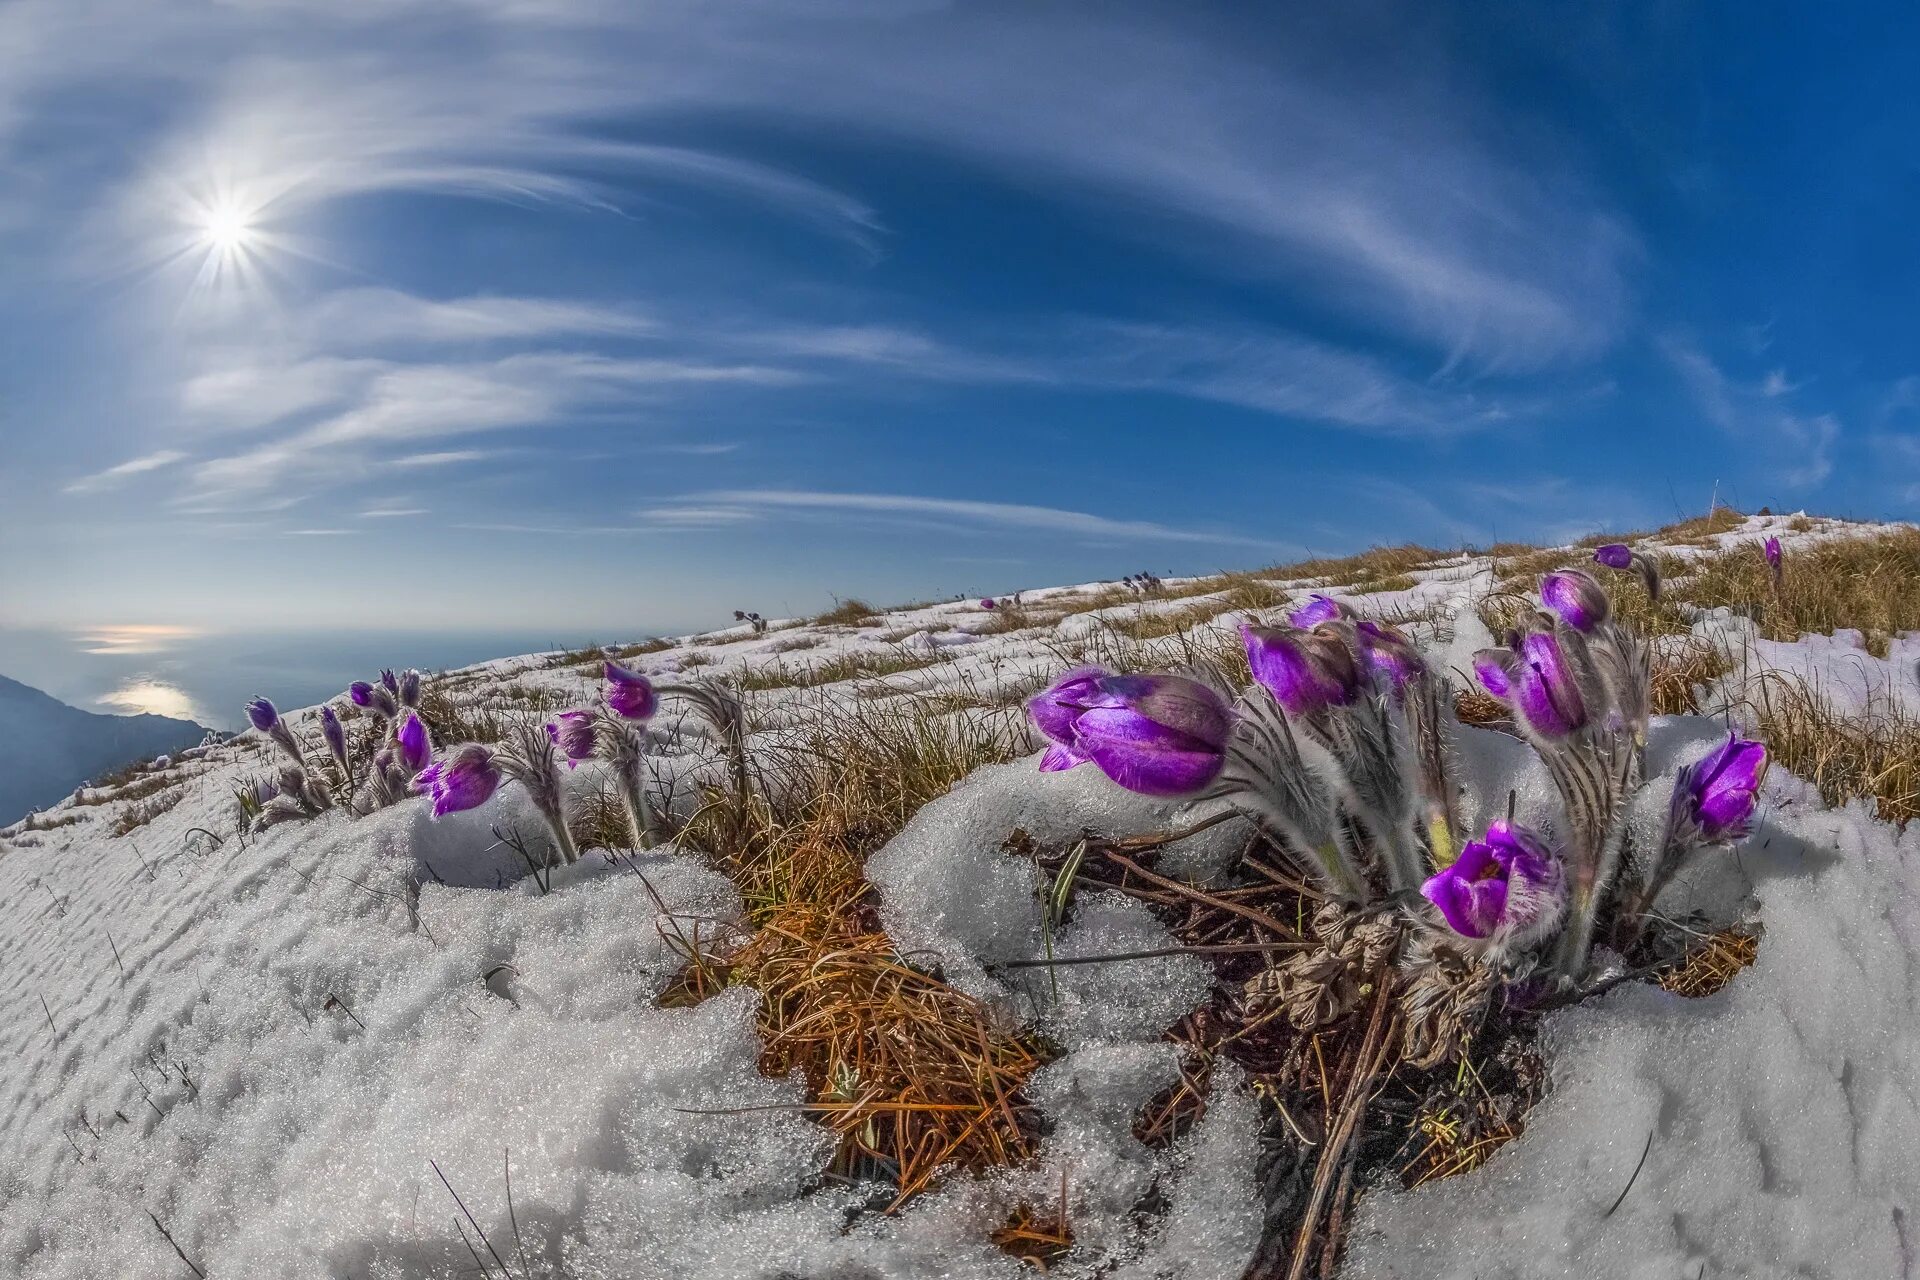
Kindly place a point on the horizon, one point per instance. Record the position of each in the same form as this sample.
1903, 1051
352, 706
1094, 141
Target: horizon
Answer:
587, 319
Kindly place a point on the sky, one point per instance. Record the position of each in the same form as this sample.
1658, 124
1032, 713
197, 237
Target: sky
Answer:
500, 315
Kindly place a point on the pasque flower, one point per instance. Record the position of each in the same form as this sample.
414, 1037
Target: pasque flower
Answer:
1316, 610
262, 715
374, 698
1618, 555
630, 694
1576, 597
1715, 796
1159, 735
573, 733
335, 735
465, 778
1305, 671
1776, 562
1507, 882
1545, 689
390, 681
989, 603
409, 690
1389, 653
415, 747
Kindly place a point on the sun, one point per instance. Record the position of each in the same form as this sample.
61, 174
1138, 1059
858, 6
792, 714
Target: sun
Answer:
228, 229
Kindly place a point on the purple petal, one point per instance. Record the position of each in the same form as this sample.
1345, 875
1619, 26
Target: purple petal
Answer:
1615, 555
1180, 704
1316, 610
1494, 669
416, 750
262, 715
1574, 595
1545, 690
1055, 708
1058, 758
1153, 771
630, 694
1301, 672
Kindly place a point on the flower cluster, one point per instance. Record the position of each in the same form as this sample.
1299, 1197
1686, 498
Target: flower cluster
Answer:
754, 620
1343, 751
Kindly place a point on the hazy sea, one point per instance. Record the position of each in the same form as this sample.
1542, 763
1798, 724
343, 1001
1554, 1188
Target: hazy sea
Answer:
209, 678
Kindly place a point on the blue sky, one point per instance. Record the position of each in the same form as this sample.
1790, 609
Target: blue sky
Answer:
583, 314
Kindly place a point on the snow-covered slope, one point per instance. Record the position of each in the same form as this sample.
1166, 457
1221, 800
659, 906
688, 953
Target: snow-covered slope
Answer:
48, 747
249, 1044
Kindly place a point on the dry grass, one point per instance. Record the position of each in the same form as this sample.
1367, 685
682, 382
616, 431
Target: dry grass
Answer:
846, 613
912, 1075
1870, 583
1038, 1237
1712, 965
1390, 582
1869, 753
1157, 624
451, 720
1682, 668
1368, 566
140, 787
843, 666
138, 815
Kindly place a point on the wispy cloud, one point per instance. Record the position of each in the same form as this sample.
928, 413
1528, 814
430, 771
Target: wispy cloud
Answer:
132, 467
1795, 447
982, 515
357, 318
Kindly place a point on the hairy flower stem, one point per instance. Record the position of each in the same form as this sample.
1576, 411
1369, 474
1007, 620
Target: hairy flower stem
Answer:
639, 812
562, 838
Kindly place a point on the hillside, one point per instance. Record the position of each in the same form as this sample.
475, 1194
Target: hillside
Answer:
894, 1002
48, 747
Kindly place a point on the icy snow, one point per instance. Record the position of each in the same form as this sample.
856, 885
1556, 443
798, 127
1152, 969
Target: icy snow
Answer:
310, 1056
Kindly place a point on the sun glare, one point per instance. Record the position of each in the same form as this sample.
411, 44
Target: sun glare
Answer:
228, 229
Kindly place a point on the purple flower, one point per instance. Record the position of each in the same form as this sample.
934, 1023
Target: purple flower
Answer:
334, 734
1773, 552
1494, 669
416, 749
629, 693
1316, 610
1389, 653
572, 732
1509, 880
465, 779
1718, 792
409, 691
1580, 601
1305, 671
261, 714
390, 681
1545, 689
373, 697
1159, 735
989, 604
1615, 555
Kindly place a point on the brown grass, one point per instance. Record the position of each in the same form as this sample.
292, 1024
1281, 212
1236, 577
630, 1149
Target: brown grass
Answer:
912, 1075
141, 786
140, 814
846, 613
1712, 965
1038, 1237
846, 666
1872, 753
1870, 583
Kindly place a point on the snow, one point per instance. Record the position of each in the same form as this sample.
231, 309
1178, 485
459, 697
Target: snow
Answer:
311, 1055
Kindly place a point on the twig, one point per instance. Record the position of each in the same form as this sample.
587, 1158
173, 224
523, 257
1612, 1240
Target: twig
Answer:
176, 1246
1260, 918
1160, 839
476, 1226
49, 1012
116, 954
1373, 1051
1618, 1200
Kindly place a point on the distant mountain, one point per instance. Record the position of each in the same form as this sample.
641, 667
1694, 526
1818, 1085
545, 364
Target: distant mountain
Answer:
47, 747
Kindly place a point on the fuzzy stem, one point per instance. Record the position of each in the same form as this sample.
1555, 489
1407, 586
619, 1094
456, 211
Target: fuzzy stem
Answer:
562, 838
639, 812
